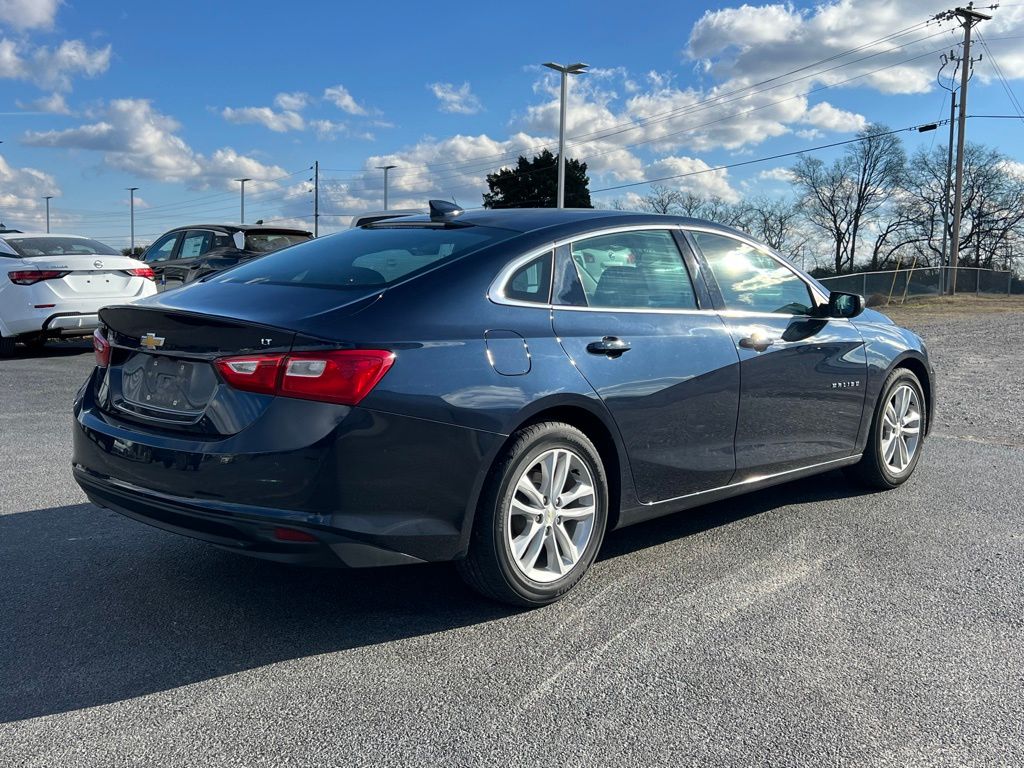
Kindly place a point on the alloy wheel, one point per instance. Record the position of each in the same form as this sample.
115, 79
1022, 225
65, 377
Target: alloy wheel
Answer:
901, 429
551, 515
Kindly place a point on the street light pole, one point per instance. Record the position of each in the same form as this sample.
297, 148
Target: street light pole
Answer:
386, 168
242, 214
571, 69
48, 198
131, 207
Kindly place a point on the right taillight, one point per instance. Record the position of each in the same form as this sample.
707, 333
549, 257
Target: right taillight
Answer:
146, 272
343, 376
101, 347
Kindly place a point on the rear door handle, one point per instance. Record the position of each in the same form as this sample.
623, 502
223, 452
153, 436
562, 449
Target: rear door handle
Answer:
612, 346
756, 342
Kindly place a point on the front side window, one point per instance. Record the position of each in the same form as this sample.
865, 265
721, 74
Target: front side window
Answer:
59, 246
750, 279
639, 270
162, 249
531, 282
374, 255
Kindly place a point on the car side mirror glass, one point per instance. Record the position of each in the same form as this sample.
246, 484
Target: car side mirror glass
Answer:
845, 304
239, 240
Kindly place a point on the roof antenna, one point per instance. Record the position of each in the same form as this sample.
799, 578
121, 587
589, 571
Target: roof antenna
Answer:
442, 210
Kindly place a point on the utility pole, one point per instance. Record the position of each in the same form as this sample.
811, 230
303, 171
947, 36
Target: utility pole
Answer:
949, 180
316, 198
969, 17
48, 198
131, 208
242, 215
386, 168
572, 69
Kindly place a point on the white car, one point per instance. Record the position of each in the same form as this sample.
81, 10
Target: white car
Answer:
54, 285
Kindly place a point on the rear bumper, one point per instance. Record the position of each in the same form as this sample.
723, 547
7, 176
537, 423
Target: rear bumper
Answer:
246, 530
374, 488
72, 323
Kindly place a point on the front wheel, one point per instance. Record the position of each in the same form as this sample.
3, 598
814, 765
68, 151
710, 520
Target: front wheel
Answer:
541, 518
897, 433
6, 346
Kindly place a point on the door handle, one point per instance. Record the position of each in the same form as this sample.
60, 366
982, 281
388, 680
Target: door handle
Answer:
612, 346
756, 342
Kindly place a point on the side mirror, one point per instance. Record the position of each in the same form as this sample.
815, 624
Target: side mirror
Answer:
239, 240
845, 304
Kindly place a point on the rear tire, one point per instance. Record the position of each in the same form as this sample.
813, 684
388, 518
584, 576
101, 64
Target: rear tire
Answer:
6, 346
897, 433
541, 517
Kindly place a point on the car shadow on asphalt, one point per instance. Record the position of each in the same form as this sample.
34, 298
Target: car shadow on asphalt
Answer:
53, 349
96, 609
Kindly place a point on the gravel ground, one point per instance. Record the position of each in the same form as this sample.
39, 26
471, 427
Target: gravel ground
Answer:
805, 625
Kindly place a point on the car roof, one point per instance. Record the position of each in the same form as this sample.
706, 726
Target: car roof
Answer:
231, 228
23, 235
527, 220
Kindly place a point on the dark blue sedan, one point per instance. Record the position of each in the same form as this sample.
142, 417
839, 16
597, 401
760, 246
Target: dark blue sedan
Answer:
498, 388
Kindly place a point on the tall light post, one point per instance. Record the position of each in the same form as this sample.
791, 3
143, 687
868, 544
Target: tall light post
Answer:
386, 168
242, 215
48, 198
571, 69
131, 208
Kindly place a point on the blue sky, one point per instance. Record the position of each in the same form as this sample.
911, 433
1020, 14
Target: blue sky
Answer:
181, 98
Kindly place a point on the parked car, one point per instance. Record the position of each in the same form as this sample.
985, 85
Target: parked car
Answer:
54, 285
463, 386
187, 253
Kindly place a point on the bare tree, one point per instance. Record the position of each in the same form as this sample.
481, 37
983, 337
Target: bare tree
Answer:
661, 200
842, 198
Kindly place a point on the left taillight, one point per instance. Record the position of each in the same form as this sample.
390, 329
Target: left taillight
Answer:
343, 376
101, 347
146, 272
33, 276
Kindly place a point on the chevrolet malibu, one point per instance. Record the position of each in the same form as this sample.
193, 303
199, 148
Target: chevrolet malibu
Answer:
469, 386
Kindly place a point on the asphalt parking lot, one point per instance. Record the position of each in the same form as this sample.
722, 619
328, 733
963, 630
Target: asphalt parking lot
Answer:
811, 624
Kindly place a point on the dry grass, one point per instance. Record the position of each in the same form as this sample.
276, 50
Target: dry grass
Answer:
922, 307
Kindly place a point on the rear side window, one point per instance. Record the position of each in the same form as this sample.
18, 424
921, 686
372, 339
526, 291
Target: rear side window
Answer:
531, 282
750, 279
196, 243
267, 242
638, 270
365, 256
59, 246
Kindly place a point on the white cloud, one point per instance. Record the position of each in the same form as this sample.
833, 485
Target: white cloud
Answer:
52, 68
699, 179
294, 102
279, 122
342, 99
21, 195
137, 139
28, 14
53, 104
459, 100
830, 118
776, 174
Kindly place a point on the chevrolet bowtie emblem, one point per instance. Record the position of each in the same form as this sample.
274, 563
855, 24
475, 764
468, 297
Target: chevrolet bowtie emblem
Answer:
151, 341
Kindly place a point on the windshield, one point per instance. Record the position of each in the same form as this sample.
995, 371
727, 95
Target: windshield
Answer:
265, 242
365, 256
59, 246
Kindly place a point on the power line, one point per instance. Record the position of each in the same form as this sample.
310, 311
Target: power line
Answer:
763, 159
1002, 79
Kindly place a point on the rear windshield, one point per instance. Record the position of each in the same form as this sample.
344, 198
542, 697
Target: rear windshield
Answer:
365, 256
265, 242
59, 246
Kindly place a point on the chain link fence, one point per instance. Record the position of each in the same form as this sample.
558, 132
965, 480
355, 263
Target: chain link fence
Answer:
924, 281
